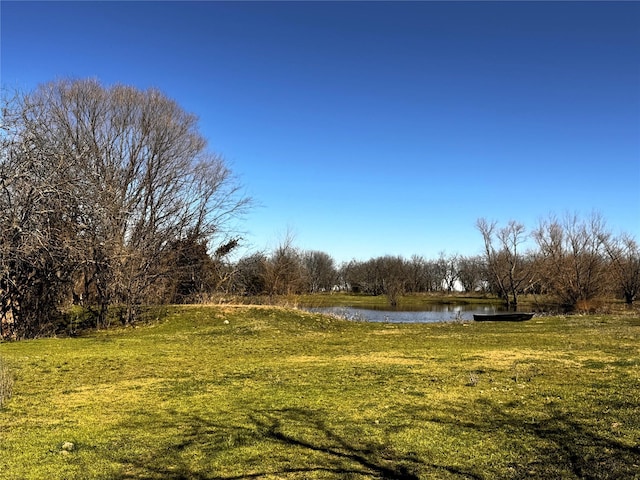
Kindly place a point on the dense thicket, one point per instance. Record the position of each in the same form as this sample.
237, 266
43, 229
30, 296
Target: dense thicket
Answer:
108, 196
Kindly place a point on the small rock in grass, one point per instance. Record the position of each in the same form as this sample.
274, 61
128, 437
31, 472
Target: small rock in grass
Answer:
226, 322
68, 447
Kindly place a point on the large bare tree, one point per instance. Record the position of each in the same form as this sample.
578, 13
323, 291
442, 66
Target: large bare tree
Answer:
137, 174
624, 258
572, 262
38, 231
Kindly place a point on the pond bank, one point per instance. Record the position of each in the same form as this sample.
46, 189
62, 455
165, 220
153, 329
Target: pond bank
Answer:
427, 314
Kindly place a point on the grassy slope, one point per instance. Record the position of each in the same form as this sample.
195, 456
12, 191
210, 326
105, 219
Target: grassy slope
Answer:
283, 394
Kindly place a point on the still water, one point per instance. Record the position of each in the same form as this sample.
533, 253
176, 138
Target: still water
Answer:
429, 314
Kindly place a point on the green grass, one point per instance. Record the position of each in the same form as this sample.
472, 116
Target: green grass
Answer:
283, 394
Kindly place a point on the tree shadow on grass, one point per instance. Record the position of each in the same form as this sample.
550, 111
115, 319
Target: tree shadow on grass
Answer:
306, 446
311, 437
565, 446
362, 456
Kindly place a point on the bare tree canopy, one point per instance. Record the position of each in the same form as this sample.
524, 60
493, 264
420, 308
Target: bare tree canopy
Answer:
624, 254
114, 176
571, 258
284, 271
509, 271
321, 271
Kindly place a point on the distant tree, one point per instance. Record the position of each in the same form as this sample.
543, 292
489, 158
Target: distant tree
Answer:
417, 277
364, 276
471, 273
250, 275
624, 259
434, 274
393, 272
284, 271
571, 257
508, 270
320, 271
350, 276
447, 267
223, 266
387, 275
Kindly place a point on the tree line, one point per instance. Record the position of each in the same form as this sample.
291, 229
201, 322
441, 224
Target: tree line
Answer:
568, 260
110, 201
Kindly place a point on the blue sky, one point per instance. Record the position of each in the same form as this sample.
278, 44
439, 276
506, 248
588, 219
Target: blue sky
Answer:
377, 128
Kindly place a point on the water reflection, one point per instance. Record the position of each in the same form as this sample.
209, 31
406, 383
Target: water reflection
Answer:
427, 314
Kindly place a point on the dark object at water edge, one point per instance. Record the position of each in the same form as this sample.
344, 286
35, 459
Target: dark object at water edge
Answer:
502, 317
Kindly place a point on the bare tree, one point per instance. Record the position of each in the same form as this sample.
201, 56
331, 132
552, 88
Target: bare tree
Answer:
37, 227
394, 276
434, 276
284, 272
508, 271
416, 274
387, 275
624, 258
351, 275
139, 177
364, 277
448, 270
250, 274
320, 270
471, 273
571, 257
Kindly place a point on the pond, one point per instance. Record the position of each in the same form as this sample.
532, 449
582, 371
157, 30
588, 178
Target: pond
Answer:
427, 314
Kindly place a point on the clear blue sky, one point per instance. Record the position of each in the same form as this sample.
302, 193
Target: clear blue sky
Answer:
376, 128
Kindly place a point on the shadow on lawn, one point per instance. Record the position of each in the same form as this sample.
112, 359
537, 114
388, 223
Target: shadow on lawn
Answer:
311, 447
298, 444
564, 446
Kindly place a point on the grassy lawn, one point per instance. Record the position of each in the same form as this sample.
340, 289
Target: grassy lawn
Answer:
269, 393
